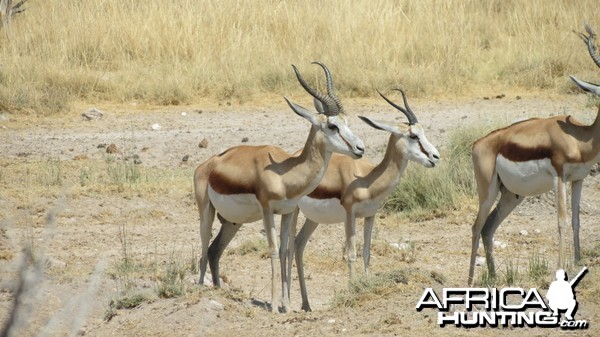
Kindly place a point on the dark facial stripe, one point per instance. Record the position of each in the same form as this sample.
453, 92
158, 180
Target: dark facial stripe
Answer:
518, 153
422, 148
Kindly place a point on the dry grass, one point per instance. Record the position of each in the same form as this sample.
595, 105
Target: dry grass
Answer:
166, 52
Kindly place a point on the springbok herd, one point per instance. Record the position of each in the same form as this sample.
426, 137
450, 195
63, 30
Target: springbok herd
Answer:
329, 182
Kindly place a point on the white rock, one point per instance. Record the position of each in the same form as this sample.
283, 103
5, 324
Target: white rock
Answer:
92, 114
523, 232
537, 231
499, 244
155, 127
214, 305
479, 261
331, 321
184, 113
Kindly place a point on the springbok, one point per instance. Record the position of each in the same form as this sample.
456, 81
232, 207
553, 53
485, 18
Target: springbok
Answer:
354, 189
248, 183
529, 158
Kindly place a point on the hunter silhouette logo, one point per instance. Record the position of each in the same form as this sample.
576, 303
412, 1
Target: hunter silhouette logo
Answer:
561, 294
507, 307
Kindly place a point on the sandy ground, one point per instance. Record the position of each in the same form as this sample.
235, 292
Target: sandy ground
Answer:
162, 226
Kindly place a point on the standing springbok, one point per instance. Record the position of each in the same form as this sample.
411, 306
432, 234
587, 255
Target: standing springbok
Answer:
248, 183
530, 158
354, 189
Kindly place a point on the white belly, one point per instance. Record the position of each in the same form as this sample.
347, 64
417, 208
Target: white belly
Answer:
578, 171
526, 178
366, 208
237, 208
323, 211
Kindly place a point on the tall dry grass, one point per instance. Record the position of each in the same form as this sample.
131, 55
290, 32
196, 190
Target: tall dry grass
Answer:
177, 51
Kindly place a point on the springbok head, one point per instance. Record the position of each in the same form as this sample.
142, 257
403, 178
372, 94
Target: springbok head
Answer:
410, 137
331, 120
589, 41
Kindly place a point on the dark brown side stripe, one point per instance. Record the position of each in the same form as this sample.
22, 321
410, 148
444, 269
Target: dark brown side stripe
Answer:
223, 185
517, 153
323, 192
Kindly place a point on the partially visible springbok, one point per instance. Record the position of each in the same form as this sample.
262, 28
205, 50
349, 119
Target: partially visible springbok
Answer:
530, 158
248, 183
354, 189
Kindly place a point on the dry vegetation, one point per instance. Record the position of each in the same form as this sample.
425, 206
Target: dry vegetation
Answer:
175, 52
138, 57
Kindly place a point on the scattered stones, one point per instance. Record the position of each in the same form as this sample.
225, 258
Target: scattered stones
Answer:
203, 143
155, 127
92, 114
112, 149
245, 139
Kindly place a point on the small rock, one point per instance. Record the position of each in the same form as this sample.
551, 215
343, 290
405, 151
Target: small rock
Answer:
245, 139
331, 321
184, 113
137, 161
101, 146
185, 158
92, 114
112, 148
203, 143
537, 231
145, 148
80, 157
518, 97
155, 127
499, 244
479, 261
523, 232
214, 305
4, 118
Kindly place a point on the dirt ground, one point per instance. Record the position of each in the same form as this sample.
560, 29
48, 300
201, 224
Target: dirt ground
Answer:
159, 225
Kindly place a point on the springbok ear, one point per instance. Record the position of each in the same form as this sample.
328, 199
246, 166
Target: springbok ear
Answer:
587, 86
302, 112
378, 125
319, 106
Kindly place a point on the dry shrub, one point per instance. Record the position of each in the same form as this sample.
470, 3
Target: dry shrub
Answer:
166, 52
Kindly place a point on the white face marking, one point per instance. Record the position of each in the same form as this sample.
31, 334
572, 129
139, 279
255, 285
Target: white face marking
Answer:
237, 208
526, 178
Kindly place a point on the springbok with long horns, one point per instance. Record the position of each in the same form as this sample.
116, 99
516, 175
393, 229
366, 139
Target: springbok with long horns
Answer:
354, 189
248, 183
529, 158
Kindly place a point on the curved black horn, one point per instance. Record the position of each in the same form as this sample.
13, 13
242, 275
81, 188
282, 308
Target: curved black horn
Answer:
328, 103
412, 119
330, 91
589, 41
